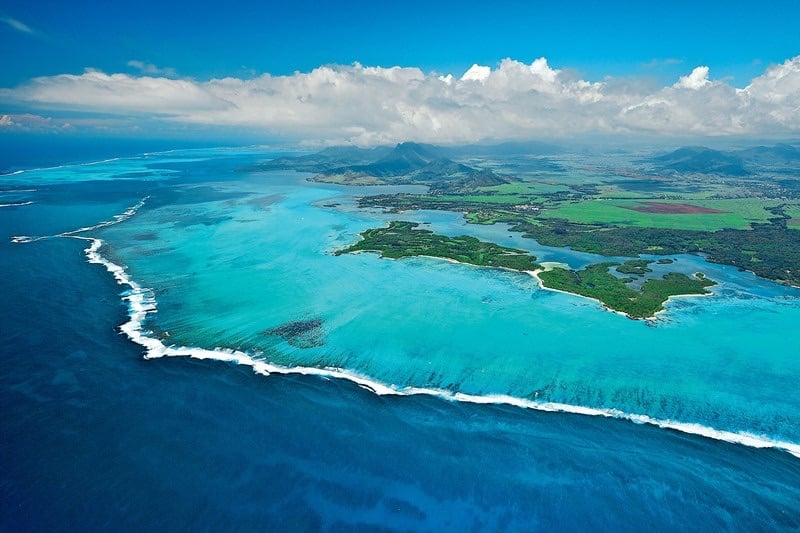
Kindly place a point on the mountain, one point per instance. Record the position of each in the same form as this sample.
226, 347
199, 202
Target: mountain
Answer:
780, 155
403, 159
445, 176
703, 160
406, 163
335, 156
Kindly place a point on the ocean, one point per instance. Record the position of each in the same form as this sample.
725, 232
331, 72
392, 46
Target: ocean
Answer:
274, 385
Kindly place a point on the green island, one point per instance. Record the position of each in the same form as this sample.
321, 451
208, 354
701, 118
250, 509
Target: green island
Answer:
596, 282
637, 267
405, 239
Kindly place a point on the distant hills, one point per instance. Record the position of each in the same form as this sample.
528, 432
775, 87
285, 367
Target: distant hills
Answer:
336, 156
406, 163
729, 163
406, 158
452, 169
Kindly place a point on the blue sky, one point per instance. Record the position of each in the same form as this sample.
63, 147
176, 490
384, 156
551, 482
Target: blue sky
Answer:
648, 42
205, 39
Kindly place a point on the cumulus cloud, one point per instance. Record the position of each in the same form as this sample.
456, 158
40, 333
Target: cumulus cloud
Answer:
5, 120
696, 80
17, 25
477, 73
371, 105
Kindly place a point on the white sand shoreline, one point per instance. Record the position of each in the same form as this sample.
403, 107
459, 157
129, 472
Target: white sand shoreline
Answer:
535, 274
540, 283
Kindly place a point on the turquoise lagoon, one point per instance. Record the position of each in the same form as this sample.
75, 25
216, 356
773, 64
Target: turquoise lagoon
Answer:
229, 254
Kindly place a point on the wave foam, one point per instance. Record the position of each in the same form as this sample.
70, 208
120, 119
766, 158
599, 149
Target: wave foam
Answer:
116, 219
142, 302
18, 204
67, 165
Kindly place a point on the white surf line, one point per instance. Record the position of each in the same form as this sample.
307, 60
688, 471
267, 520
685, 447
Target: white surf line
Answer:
142, 302
68, 165
122, 217
19, 204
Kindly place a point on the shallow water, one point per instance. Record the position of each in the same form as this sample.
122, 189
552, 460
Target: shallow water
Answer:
254, 251
229, 258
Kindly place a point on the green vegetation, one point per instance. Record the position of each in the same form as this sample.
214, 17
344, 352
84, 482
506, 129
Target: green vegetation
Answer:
735, 214
770, 250
478, 209
527, 188
403, 239
596, 282
637, 267
793, 212
349, 179
692, 200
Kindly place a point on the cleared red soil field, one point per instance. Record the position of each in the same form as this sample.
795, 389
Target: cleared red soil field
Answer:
672, 209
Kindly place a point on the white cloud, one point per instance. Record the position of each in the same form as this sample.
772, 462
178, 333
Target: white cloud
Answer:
17, 25
151, 69
477, 73
696, 80
5, 120
370, 105
118, 93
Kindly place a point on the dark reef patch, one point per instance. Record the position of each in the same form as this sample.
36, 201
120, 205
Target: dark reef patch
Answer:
300, 333
146, 236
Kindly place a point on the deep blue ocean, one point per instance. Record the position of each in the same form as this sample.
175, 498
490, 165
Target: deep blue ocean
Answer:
96, 438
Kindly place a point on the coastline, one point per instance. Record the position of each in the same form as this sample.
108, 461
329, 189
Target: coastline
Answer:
142, 302
681, 296
535, 274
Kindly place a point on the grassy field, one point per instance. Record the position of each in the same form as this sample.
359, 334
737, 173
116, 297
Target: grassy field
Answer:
527, 188
501, 199
738, 214
793, 211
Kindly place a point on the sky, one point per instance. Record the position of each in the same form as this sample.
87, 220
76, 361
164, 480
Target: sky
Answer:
326, 72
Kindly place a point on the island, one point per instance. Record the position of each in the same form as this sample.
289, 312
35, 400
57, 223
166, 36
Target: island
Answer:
596, 282
405, 239
737, 207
